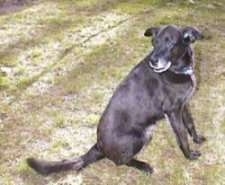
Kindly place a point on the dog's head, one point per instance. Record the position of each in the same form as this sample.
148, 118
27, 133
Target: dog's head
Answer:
172, 47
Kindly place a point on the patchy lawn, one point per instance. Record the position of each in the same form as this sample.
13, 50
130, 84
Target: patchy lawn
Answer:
60, 62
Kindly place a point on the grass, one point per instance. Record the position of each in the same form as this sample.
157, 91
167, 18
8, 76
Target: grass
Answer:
57, 84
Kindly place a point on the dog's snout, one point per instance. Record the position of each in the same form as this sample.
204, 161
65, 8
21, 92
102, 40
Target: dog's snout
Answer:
157, 55
154, 60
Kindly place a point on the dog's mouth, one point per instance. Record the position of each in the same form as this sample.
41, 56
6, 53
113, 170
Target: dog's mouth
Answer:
161, 66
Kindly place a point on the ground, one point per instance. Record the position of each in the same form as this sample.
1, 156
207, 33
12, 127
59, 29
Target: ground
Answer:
60, 62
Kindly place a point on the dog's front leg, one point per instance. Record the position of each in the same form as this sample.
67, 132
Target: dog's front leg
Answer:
189, 124
180, 130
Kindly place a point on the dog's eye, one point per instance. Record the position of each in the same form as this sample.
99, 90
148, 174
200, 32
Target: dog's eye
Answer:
167, 39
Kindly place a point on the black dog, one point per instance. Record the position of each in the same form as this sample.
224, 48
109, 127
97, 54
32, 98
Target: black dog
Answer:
159, 86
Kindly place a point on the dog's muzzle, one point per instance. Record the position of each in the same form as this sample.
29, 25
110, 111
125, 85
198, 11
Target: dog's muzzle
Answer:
161, 65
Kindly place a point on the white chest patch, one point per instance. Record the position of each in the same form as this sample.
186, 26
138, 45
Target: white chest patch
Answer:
149, 133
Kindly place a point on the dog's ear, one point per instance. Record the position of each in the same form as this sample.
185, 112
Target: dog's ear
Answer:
191, 34
151, 32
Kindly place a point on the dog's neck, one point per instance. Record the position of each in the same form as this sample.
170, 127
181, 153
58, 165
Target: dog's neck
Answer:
187, 70
185, 74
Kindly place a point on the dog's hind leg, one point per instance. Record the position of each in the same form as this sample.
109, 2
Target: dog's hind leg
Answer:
48, 167
140, 165
189, 124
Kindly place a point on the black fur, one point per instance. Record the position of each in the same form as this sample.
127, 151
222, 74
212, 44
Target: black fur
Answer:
142, 99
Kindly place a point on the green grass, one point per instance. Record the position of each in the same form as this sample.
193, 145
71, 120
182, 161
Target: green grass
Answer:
60, 86
4, 82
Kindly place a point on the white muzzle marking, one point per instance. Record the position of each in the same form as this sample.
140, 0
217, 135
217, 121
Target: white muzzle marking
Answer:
162, 66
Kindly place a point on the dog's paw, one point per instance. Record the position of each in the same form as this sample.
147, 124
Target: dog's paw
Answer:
148, 169
194, 155
200, 139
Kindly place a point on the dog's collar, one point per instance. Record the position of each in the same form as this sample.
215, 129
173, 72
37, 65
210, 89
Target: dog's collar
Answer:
185, 71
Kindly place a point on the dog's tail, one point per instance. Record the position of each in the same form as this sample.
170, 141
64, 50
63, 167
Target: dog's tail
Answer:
48, 167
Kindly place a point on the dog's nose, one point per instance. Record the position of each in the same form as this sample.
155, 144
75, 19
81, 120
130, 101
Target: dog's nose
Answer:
153, 60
